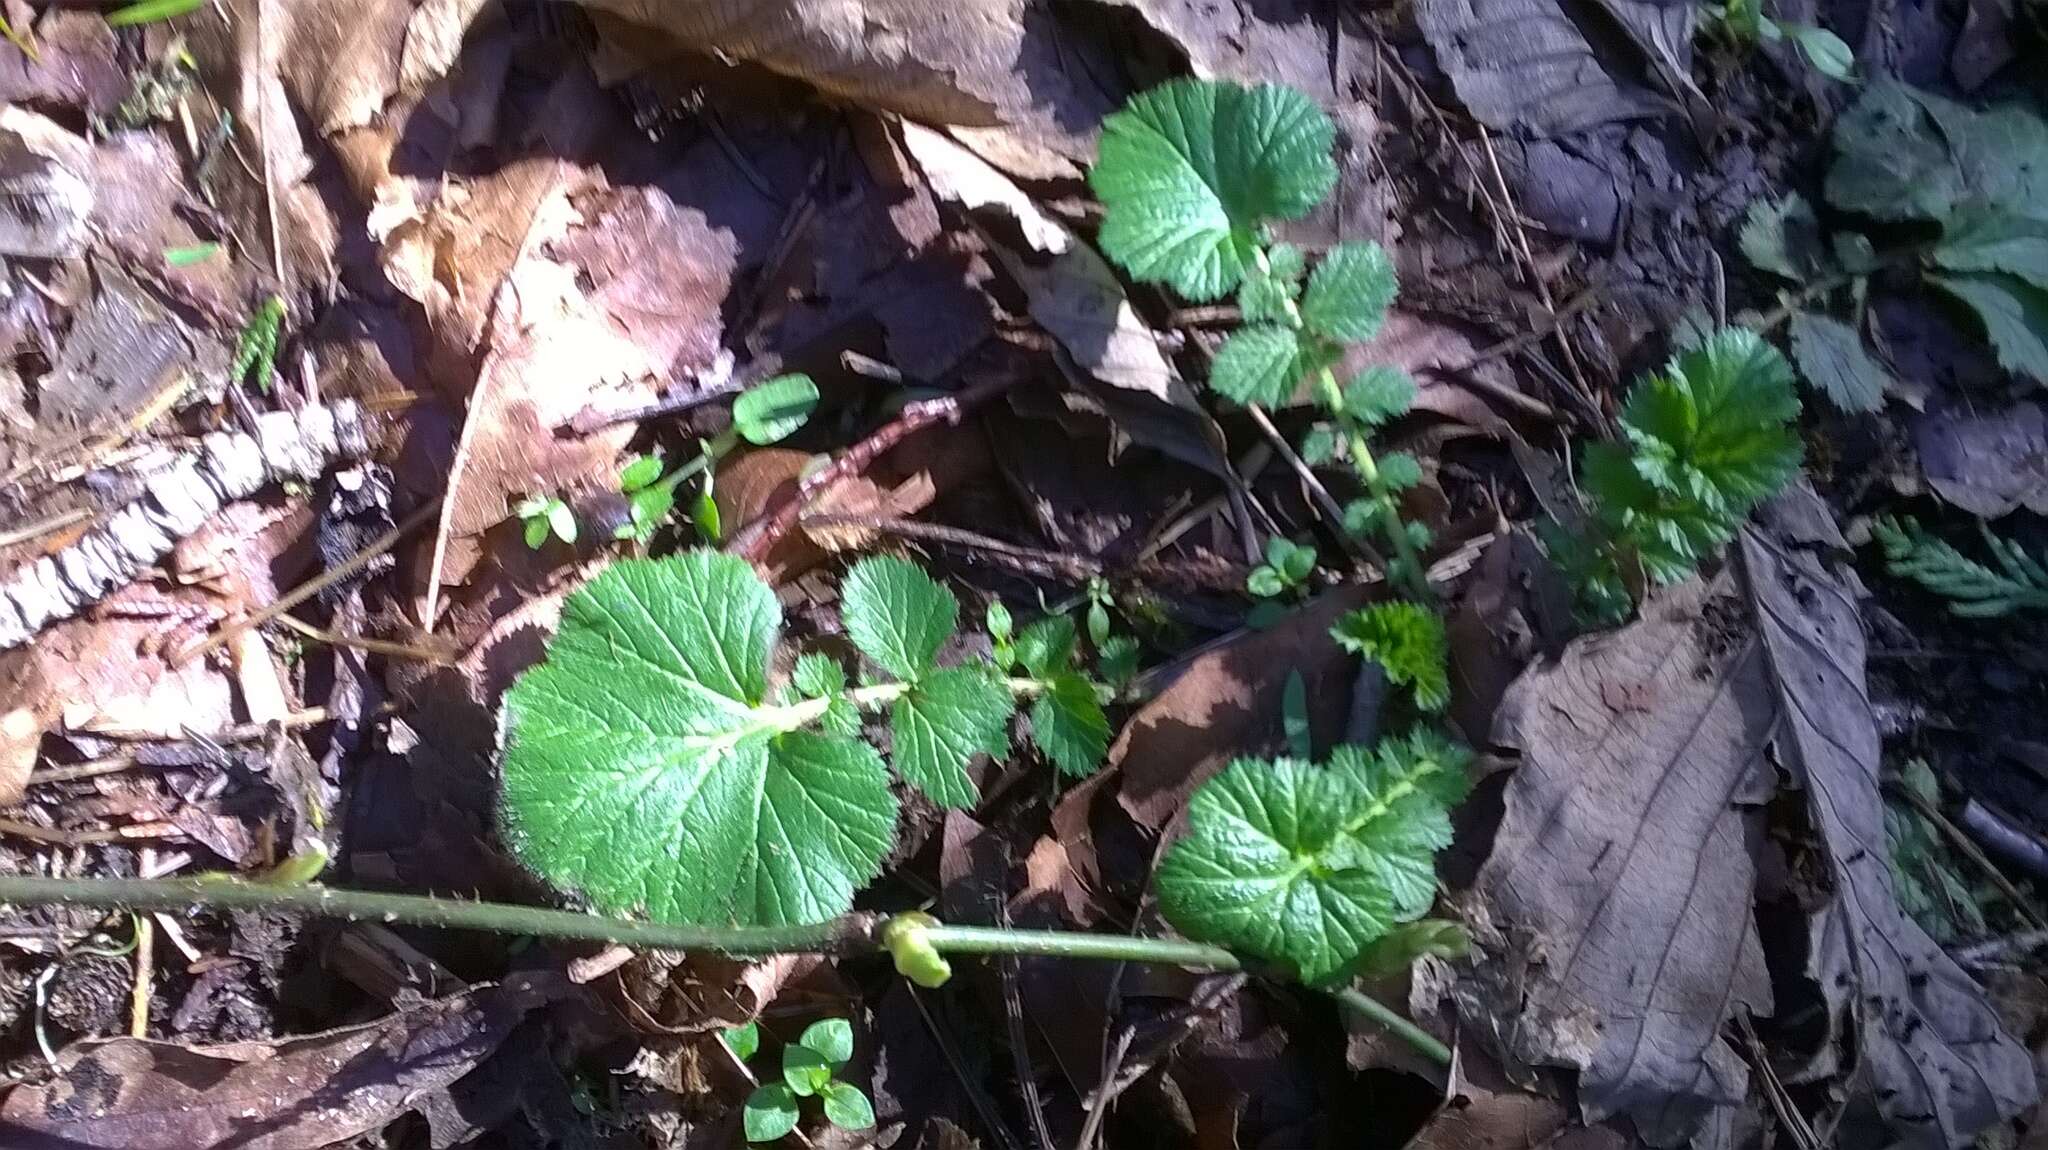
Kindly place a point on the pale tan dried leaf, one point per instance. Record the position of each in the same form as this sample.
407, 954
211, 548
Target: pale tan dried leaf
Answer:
339, 59
1933, 1053
1628, 848
979, 63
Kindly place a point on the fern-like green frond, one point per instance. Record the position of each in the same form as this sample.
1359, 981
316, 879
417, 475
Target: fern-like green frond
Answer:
2017, 582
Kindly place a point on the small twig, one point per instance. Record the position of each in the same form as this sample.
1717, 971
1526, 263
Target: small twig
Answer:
1990, 951
313, 586
753, 541
145, 963
361, 643
1968, 848
46, 526
984, 1107
1112, 1064
1774, 1089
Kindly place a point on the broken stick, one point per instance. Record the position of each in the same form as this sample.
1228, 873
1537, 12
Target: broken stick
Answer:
227, 466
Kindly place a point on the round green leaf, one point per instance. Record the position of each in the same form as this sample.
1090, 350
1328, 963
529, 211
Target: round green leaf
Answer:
805, 1070
743, 1041
847, 1107
562, 521
771, 411
536, 531
642, 768
1265, 582
1830, 56
1262, 364
770, 1113
831, 1038
1190, 170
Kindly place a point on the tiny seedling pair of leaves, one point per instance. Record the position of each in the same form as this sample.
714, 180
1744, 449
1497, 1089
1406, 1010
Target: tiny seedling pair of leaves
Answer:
1287, 567
810, 1068
1745, 23
1310, 866
1905, 159
1707, 439
542, 516
647, 764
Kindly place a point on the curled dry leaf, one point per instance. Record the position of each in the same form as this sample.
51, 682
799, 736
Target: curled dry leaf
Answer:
1628, 847
1526, 65
1939, 1065
290, 1094
1986, 462
989, 64
1225, 703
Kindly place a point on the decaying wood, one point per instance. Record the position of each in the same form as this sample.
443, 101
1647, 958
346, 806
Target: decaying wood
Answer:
227, 466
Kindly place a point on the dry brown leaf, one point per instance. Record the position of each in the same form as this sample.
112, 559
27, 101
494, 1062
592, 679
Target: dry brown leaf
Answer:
339, 59
1225, 703
75, 66
291, 1094
1987, 462
1628, 849
977, 63
1941, 1068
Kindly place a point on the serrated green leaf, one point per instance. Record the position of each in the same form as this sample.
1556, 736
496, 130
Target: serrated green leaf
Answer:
743, 1041
1712, 425
1399, 470
1286, 262
773, 410
1046, 647
896, 614
1981, 239
1396, 951
942, 723
1266, 299
1891, 162
1782, 237
2014, 314
1349, 293
817, 675
847, 1107
831, 1039
644, 469
1262, 364
1830, 355
1068, 724
1189, 170
1407, 640
1378, 394
1304, 866
1117, 659
770, 1113
641, 767
1319, 445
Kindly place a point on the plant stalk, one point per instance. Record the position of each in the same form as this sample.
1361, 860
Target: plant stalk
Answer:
849, 934
1387, 501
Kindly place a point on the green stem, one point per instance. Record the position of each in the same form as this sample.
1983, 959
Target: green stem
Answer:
1332, 397
849, 934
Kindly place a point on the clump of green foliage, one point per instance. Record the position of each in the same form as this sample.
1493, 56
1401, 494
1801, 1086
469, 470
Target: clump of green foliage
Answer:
1929, 885
810, 1069
256, 349
1192, 175
768, 412
1707, 439
2017, 582
1924, 186
652, 764
1743, 23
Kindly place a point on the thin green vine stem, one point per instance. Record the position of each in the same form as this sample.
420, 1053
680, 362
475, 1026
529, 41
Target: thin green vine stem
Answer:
1332, 398
849, 934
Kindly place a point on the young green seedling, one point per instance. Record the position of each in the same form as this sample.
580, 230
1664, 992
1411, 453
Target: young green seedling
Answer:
766, 413
256, 349
545, 515
1744, 24
1708, 439
1285, 571
810, 1069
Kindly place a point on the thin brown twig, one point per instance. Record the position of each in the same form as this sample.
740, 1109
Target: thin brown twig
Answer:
1968, 848
313, 586
753, 541
363, 643
984, 1107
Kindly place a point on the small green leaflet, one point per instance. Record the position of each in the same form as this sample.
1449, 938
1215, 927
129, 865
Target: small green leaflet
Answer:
772, 411
1405, 639
1263, 364
256, 351
641, 767
743, 1041
1981, 239
185, 257
832, 1039
1828, 54
1830, 355
1714, 424
640, 473
847, 1107
1348, 296
1305, 865
897, 615
1047, 646
1378, 394
2014, 314
1068, 724
151, 11
770, 1113
1190, 170
942, 723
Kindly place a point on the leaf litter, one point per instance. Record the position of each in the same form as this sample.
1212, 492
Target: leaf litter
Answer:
529, 276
